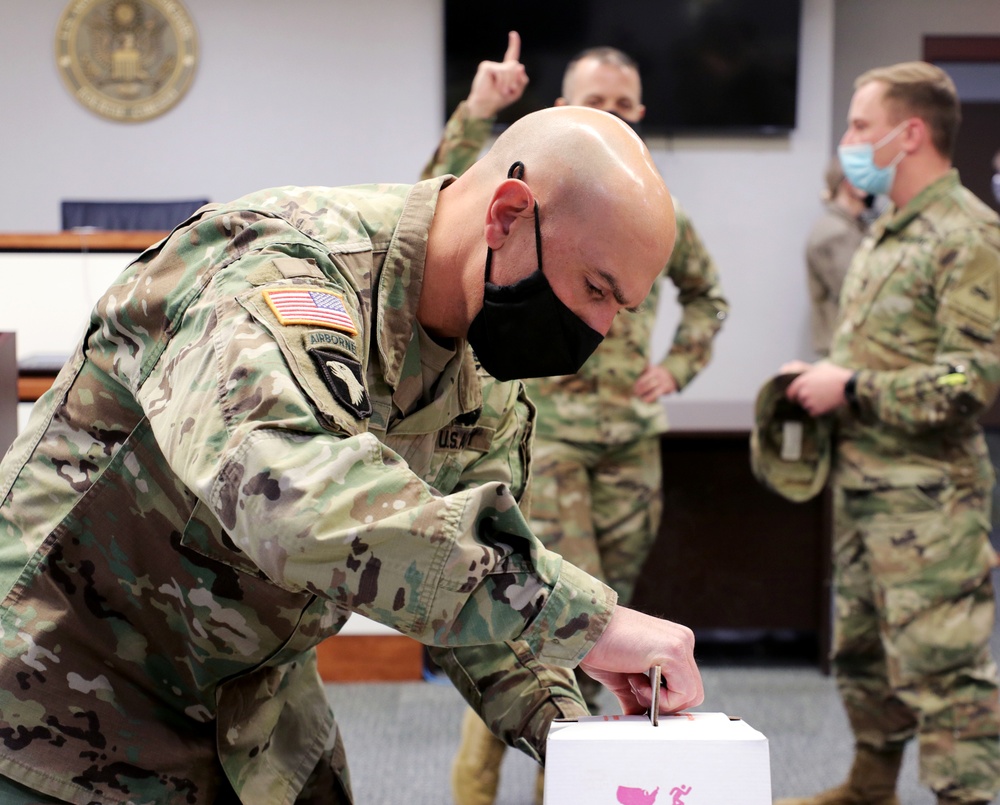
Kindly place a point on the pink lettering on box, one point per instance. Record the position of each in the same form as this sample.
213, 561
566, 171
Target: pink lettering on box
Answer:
636, 796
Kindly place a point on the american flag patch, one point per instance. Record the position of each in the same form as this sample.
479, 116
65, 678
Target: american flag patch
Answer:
304, 306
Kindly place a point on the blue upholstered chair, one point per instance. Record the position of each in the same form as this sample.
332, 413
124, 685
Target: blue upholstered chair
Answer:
128, 215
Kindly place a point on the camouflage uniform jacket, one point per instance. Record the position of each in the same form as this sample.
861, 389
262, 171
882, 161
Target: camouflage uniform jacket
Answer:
920, 316
597, 404
219, 478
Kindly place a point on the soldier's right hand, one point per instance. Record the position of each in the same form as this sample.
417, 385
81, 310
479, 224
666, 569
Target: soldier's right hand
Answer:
498, 84
632, 644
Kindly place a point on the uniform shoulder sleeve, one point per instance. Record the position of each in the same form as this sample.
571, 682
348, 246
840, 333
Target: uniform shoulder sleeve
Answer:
704, 308
964, 376
461, 143
317, 327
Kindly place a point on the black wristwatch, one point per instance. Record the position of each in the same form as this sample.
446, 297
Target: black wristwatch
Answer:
851, 394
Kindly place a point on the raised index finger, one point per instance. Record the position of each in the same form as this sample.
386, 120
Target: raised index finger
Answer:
513, 47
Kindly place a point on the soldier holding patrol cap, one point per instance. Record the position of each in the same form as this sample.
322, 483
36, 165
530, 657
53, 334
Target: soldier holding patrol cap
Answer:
789, 448
274, 420
915, 360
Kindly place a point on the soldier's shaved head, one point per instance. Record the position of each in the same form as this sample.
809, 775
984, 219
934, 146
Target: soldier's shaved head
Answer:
606, 216
583, 157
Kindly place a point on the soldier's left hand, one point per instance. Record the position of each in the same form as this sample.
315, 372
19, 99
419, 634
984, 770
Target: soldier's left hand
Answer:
654, 382
497, 85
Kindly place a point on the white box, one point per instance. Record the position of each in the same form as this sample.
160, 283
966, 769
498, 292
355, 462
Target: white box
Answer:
688, 759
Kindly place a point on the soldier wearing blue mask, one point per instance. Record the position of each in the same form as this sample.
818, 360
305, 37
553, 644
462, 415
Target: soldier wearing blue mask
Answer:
858, 162
915, 360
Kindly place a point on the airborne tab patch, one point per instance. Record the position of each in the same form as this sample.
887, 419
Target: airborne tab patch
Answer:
344, 378
310, 306
324, 338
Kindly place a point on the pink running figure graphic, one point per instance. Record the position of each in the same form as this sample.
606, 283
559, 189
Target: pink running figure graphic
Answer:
677, 793
636, 796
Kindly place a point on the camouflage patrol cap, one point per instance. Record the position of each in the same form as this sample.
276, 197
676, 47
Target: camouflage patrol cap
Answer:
789, 449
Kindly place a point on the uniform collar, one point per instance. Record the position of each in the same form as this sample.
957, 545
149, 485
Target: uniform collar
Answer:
398, 294
898, 220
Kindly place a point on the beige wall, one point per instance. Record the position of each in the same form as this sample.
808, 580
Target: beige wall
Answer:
307, 92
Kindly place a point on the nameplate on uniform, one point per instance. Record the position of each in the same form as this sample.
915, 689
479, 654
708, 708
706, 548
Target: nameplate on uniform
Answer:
458, 437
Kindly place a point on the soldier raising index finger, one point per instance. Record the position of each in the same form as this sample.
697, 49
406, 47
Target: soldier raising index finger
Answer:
498, 84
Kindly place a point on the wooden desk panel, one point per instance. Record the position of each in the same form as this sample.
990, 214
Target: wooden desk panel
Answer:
95, 241
370, 658
732, 555
30, 388
52, 280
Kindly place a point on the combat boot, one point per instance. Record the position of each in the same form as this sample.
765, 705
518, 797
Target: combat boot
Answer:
475, 772
871, 781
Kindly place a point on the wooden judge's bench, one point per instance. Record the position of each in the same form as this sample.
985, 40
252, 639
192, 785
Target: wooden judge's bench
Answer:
51, 282
8, 390
746, 569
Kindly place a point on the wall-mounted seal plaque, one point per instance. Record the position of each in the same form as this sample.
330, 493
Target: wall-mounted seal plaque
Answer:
127, 60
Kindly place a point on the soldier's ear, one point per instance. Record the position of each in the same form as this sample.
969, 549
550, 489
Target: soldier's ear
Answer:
915, 135
512, 199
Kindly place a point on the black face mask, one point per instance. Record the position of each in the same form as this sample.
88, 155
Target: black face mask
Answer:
524, 329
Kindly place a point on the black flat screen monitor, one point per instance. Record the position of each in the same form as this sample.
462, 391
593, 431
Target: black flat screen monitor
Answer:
715, 67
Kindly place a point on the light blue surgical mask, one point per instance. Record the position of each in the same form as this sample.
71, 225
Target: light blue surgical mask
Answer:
858, 162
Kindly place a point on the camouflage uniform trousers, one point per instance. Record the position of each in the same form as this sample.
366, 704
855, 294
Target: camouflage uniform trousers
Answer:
599, 507
914, 614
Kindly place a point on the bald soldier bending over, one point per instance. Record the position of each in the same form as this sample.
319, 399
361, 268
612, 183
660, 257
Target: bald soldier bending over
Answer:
273, 421
596, 481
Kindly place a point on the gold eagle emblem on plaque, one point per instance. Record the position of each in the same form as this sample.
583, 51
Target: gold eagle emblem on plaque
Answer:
127, 60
